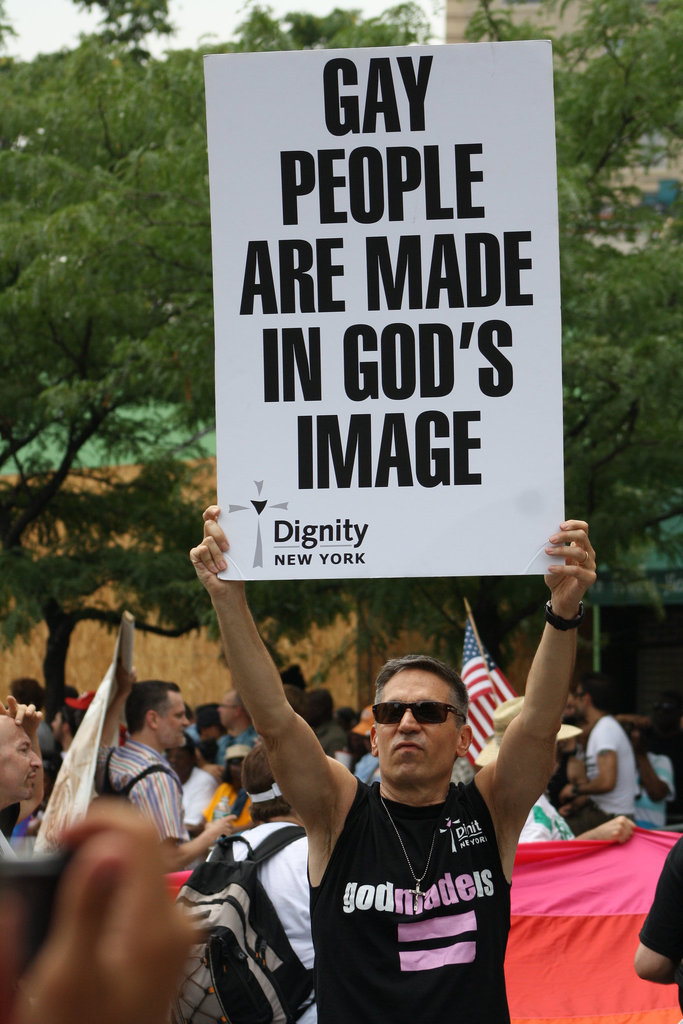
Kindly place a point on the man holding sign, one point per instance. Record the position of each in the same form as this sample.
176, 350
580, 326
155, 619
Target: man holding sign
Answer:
410, 877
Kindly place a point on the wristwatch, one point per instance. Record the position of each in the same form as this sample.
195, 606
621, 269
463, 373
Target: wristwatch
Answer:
557, 622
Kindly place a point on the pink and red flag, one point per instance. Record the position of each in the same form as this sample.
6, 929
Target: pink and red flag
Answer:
577, 909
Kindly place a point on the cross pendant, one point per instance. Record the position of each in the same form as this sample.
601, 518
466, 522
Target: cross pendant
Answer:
415, 894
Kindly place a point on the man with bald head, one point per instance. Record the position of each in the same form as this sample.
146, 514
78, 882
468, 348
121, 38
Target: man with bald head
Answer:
21, 767
237, 723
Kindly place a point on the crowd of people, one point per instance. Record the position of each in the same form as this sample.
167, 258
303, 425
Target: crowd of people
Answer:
376, 789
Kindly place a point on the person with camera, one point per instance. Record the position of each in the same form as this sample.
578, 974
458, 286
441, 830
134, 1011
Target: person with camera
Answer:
116, 942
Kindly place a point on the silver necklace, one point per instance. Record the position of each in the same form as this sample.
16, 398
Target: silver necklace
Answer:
416, 892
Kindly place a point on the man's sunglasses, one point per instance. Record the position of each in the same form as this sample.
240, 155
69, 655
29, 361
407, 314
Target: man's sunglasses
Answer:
426, 712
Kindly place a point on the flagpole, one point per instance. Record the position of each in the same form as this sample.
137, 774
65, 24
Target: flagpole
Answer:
473, 624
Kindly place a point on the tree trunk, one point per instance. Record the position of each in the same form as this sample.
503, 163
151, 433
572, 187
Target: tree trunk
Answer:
60, 626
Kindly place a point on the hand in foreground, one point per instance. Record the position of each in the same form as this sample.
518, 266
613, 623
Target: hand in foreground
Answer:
117, 942
569, 582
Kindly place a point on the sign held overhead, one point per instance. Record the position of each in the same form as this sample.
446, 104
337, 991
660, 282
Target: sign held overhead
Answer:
387, 309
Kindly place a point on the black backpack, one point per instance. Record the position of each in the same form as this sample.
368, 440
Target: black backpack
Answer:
246, 972
109, 790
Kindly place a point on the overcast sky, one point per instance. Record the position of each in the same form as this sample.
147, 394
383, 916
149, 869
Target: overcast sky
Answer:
47, 25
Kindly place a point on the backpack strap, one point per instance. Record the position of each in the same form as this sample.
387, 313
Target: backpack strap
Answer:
108, 787
271, 845
143, 774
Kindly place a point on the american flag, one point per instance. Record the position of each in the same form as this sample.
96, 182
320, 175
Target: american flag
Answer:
486, 689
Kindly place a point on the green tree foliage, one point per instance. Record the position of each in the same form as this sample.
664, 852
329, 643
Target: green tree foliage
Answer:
106, 322
5, 27
619, 113
398, 26
106, 333
105, 337
130, 21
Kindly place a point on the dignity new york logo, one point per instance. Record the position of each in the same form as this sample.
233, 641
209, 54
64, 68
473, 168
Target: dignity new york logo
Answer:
295, 542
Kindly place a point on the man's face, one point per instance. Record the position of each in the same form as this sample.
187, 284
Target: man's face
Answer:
580, 706
19, 764
409, 750
171, 725
228, 709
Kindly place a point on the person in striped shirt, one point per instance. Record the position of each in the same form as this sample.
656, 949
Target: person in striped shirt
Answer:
156, 720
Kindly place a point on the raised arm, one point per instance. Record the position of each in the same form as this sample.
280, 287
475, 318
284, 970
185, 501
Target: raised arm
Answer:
124, 682
513, 783
319, 788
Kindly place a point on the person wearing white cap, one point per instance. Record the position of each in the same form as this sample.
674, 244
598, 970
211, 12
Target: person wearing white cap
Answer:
544, 822
410, 877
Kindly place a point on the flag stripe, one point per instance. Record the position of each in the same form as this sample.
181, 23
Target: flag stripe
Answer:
667, 1016
597, 878
602, 951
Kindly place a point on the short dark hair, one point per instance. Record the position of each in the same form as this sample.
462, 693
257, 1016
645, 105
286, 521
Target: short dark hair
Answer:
206, 716
189, 745
208, 749
149, 695
426, 663
670, 697
27, 690
601, 690
293, 676
257, 777
72, 717
318, 707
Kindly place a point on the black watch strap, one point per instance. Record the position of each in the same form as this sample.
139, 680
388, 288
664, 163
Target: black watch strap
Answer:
557, 622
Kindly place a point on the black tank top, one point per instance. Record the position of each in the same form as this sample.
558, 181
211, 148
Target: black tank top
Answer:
377, 957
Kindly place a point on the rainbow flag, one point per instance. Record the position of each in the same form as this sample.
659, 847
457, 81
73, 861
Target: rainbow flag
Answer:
577, 908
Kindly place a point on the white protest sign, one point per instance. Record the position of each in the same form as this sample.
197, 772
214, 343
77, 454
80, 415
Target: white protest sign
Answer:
74, 789
387, 310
